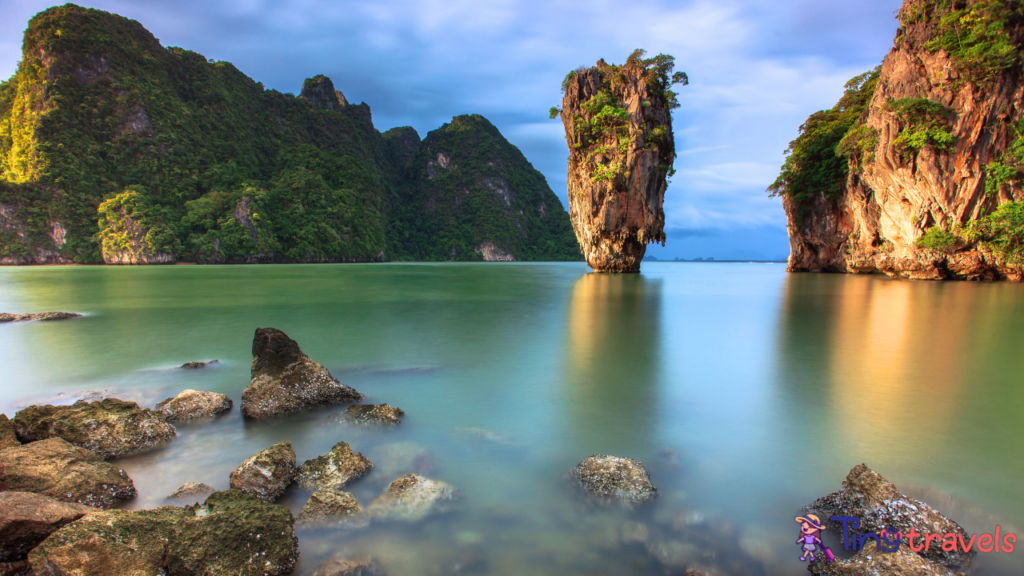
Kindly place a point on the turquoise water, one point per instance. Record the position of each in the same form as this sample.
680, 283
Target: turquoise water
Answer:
746, 391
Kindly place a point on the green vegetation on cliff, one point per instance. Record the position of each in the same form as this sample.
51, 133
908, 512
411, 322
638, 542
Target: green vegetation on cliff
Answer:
113, 147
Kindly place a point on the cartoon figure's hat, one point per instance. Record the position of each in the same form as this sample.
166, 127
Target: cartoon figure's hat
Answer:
812, 520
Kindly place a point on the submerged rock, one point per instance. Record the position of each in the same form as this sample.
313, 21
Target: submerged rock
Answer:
42, 316
195, 365
26, 519
68, 473
8, 439
192, 490
192, 404
363, 566
286, 380
332, 508
267, 473
865, 494
869, 562
367, 414
230, 533
109, 428
333, 470
611, 479
401, 458
412, 498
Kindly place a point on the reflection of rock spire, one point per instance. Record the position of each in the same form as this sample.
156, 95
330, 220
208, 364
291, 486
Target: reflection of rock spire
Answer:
612, 360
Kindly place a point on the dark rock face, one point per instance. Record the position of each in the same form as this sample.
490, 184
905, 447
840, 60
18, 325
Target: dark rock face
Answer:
867, 495
8, 439
332, 508
320, 92
869, 562
43, 316
615, 480
109, 428
368, 414
362, 566
286, 380
192, 405
65, 472
267, 473
230, 533
192, 490
195, 365
412, 498
617, 163
26, 520
333, 470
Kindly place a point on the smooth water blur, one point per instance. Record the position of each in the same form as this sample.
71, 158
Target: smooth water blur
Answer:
746, 391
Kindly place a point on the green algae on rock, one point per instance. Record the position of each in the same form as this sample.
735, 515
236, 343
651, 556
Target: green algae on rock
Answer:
8, 438
332, 508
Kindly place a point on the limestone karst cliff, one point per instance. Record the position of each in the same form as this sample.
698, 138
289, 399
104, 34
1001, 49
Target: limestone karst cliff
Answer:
916, 173
618, 126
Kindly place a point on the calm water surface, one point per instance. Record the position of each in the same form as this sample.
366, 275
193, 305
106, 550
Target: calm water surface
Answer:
746, 391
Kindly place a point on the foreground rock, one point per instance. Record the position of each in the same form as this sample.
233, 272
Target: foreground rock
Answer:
618, 162
8, 439
26, 520
109, 428
870, 562
611, 480
368, 414
333, 470
412, 498
192, 490
363, 566
195, 365
866, 495
230, 533
65, 472
43, 316
192, 405
332, 508
286, 380
267, 473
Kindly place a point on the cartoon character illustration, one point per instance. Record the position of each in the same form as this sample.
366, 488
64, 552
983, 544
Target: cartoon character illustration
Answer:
810, 535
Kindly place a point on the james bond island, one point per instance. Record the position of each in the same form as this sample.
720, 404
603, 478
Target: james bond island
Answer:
618, 125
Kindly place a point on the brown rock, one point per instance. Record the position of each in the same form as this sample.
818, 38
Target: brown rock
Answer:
109, 428
192, 405
192, 490
26, 520
8, 439
286, 380
364, 566
43, 316
64, 472
615, 480
869, 562
412, 498
617, 164
333, 470
267, 473
196, 365
368, 414
332, 508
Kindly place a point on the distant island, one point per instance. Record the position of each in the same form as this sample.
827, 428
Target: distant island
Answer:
114, 149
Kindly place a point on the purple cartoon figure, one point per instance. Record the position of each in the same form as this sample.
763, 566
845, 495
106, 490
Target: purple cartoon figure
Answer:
810, 536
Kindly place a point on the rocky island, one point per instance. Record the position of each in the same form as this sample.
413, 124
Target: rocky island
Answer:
918, 171
618, 125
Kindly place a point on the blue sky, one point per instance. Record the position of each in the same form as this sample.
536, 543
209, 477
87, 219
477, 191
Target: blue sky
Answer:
757, 69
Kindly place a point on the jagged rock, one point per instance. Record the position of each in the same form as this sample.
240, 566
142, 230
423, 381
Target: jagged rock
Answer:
8, 439
192, 490
109, 428
332, 508
26, 519
68, 473
611, 479
333, 470
42, 316
367, 414
617, 163
230, 533
267, 473
865, 494
286, 380
195, 365
412, 498
869, 562
192, 404
363, 566
320, 92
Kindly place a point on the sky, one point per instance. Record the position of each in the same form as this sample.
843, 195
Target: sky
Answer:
757, 69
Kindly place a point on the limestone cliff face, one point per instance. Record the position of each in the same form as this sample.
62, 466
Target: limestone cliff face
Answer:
619, 130
894, 193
